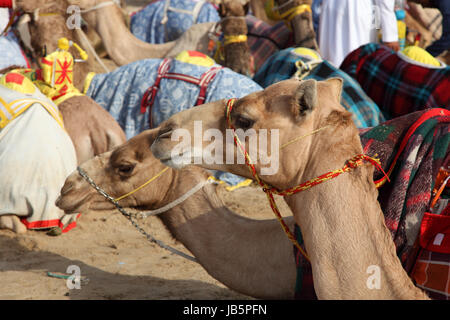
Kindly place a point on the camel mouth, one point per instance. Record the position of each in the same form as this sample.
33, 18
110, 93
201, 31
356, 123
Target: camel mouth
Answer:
72, 202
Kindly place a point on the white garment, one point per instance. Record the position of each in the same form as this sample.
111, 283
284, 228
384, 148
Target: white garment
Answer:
345, 25
36, 156
4, 18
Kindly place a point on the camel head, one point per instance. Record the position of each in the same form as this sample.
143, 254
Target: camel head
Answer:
118, 172
236, 52
286, 111
47, 24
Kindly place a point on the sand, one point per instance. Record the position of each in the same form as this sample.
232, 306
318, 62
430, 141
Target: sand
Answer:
118, 261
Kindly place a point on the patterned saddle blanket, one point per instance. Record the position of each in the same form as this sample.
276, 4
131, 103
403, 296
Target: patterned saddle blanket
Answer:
398, 86
166, 20
264, 40
412, 149
136, 94
11, 53
282, 66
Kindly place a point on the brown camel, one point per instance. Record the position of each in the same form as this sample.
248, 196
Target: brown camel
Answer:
91, 128
233, 249
234, 27
343, 226
50, 25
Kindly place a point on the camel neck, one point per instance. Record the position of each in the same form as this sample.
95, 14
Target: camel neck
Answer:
120, 43
250, 256
351, 250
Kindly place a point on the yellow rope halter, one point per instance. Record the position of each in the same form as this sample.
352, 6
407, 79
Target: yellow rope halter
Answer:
234, 39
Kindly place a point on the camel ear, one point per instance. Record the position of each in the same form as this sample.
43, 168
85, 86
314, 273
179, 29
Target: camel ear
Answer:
336, 85
305, 97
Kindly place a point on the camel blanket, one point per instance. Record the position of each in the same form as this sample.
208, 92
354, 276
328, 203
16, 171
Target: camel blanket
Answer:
166, 20
10, 51
397, 86
120, 92
264, 40
281, 66
36, 156
412, 149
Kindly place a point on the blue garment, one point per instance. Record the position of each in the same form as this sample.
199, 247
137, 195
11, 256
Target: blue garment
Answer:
120, 92
147, 25
10, 52
316, 9
281, 66
439, 46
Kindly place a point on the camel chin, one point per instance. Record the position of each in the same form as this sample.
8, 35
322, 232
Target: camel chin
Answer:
13, 223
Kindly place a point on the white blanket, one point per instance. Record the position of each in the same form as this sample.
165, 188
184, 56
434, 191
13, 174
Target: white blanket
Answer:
36, 156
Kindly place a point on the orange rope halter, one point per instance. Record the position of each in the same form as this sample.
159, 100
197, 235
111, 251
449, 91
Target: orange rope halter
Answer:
270, 191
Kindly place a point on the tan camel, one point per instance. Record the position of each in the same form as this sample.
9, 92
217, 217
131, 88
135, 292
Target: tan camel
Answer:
250, 256
341, 220
123, 47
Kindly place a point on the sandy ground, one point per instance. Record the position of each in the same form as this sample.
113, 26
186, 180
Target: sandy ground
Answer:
118, 261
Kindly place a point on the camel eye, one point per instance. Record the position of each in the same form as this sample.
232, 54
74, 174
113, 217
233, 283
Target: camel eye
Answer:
126, 169
244, 123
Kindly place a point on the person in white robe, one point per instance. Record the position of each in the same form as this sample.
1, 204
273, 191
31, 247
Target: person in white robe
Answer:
345, 25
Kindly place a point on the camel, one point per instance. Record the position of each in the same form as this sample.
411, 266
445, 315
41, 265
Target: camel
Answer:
233, 249
236, 52
92, 129
342, 223
123, 47
48, 26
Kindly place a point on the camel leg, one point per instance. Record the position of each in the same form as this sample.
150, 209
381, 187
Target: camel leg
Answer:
12, 222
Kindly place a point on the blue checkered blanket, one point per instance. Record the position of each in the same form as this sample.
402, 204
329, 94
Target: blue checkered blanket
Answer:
120, 92
10, 52
179, 15
281, 66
